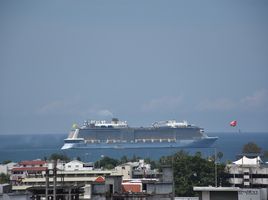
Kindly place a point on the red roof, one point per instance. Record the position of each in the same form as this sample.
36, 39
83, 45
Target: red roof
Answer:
131, 187
100, 179
29, 169
32, 162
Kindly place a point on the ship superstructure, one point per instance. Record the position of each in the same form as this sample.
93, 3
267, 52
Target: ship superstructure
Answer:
117, 134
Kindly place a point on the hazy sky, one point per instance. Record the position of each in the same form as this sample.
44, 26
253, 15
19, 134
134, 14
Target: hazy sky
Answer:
62, 62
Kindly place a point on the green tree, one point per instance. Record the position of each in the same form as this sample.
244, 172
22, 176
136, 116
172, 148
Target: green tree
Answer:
265, 155
153, 163
4, 178
135, 158
223, 176
123, 160
6, 162
192, 171
56, 156
251, 147
106, 162
219, 155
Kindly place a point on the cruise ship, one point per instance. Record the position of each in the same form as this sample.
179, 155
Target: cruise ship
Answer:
117, 134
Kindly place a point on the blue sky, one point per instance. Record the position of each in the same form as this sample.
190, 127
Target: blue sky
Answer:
62, 62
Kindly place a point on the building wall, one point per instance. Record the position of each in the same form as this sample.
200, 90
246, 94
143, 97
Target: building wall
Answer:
132, 187
3, 169
264, 193
6, 169
159, 188
98, 189
15, 197
248, 175
249, 194
223, 196
87, 191
167, 176
125, 170
5, 188
73, 165
205, 195
163, 188
115, 182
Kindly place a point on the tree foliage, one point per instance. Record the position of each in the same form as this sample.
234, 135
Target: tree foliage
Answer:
192, 171
219, 155
4, 178
56, 156
265, 155
106, 163
6, 162
124, 159
189, 170
251, 147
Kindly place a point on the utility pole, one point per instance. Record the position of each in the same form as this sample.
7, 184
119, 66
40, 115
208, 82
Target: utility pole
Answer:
215, 162
54, 179
47, 183
173, 182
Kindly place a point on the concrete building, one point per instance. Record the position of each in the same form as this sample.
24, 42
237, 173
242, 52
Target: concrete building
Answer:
125, 169
33, 163
138, 169
78, 180
6, 193
34, 168
248, 172
102, 190
231, 193
5, 188
67, 177
6, 168
149, 188
76, 165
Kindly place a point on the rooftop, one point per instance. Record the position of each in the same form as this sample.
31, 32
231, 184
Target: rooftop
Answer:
29, 169
217, 189
32, 162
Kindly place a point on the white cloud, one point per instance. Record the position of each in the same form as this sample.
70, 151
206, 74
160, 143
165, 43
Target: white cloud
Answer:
259, 100
73, 107
57, 106
221, 104
162, 103
105, 113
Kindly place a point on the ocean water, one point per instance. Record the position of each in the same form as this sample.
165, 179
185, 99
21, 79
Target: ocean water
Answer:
26, 147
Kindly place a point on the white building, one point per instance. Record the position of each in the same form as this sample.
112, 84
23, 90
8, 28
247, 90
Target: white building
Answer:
231, 193
248, 172
6, 168
76, 165
125, 170
138, 169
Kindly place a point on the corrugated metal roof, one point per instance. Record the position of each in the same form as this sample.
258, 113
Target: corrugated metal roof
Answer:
20, 187
59, 179
131, 187
29, 169
228, 189
86, 172
32, 162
